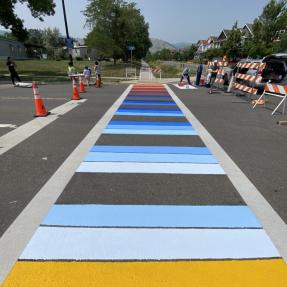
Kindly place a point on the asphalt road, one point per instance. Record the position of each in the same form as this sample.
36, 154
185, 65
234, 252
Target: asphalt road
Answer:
27, 166
251, 138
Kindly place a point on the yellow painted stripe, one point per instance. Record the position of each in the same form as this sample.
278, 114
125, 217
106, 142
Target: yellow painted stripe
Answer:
249, 273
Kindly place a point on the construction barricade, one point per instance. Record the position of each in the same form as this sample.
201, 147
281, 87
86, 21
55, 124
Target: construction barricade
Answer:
219, 81
156, 71
274, 90
247, 82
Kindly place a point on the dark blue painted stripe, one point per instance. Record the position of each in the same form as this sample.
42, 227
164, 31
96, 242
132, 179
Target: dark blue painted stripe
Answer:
150, 123
149, 111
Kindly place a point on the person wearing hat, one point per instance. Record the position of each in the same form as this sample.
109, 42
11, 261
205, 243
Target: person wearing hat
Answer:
213, 71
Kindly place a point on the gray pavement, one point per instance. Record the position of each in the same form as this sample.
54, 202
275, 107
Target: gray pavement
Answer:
251, 138
25, 168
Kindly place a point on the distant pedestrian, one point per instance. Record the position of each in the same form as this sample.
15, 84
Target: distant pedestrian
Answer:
185, 74
87, 75
198, 74
13, 73
71, 70
97, 69
213, 71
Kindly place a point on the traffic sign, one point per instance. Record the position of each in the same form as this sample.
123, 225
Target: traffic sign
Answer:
131, 48
69, 42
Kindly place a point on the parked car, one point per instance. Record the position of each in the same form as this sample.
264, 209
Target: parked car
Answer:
275, 70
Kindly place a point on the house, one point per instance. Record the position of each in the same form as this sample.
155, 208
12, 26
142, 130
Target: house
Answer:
221, 38
12, 48
80, 50
246, 32
204, 45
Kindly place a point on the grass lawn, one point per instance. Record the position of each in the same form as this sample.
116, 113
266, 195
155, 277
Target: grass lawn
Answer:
167, 71
52, 70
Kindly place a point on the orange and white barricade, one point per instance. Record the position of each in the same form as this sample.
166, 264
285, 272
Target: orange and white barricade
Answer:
156, 71
250, 79
274, 90
219, 81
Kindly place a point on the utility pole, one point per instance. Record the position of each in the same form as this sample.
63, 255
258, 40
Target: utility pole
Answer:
65, 19
68, 42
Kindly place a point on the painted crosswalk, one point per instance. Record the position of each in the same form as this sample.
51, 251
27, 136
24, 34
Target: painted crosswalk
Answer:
149, 205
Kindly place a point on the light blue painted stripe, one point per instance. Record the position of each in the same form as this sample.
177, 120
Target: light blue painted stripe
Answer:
168, 216
152, 149
58, 243
149, 127
150, 123
148, 103
143, 157
150, 132
160, 168
149, 114
151, 110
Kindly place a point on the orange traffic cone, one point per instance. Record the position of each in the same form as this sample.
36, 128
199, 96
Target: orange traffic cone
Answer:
98, 82
82, 86
39, 104
75, 95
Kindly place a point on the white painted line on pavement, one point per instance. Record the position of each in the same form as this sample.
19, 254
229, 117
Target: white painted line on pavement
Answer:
17, 236
23, 132
267, 216
11, 126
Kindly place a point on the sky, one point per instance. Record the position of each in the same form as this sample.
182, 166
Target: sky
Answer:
170, 20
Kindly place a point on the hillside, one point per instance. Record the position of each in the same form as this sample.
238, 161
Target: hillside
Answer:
158, 45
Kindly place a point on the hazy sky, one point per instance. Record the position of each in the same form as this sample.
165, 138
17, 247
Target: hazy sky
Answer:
170, 20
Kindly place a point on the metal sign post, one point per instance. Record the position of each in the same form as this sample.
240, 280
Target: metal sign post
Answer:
131, 48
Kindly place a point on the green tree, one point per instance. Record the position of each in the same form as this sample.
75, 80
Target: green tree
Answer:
232, 46
265, 28
212, 53
115, 25
35, 37
10, 20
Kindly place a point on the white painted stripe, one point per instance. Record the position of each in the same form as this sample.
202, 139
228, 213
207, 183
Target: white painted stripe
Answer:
161, 168
185, 87
23, 132
267, 216
8, 126
56, 243
24, 226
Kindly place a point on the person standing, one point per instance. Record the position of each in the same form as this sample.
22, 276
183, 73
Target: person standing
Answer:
185, 74
87, 75
198, 74
213, 71
71, 70
97, 70
13, 73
